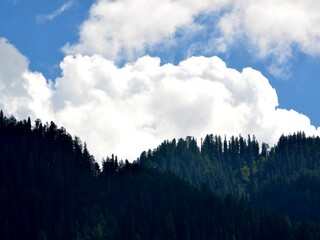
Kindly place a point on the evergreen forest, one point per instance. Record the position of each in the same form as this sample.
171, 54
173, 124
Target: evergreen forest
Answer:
52, 188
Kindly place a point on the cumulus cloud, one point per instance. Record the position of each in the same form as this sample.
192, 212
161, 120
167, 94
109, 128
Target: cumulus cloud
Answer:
49, 17
125, 28
273, 29
23, 93
126, 110
269, 29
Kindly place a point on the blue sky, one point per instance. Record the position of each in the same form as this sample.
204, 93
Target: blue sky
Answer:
41, 40
111, 38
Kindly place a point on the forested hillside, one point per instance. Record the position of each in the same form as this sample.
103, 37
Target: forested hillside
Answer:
285, 178
52, 188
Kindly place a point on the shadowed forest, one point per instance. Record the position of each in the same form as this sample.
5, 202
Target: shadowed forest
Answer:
51, 187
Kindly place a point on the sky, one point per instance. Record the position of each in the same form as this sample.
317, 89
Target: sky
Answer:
124, 75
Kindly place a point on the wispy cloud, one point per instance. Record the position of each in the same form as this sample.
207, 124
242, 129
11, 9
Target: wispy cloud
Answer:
12, 1
49, 17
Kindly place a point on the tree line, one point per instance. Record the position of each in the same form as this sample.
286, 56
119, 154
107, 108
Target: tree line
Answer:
51, 187
284, 178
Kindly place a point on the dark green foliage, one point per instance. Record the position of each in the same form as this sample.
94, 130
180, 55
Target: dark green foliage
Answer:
289, 178
226, 167
45, 178
284, 179
52, 188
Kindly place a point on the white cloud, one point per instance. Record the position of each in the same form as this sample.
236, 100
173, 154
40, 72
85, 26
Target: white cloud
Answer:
269, 29
126, 110
123, 29
49, 17
23, 93
273, 28
130, 109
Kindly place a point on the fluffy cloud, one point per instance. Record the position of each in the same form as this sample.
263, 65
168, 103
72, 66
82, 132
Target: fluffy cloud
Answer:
130, 109
273, 28
126, 110
23, 93
125, 28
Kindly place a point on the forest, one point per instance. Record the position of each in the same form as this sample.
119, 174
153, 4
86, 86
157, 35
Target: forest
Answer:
51, 187
284, 178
